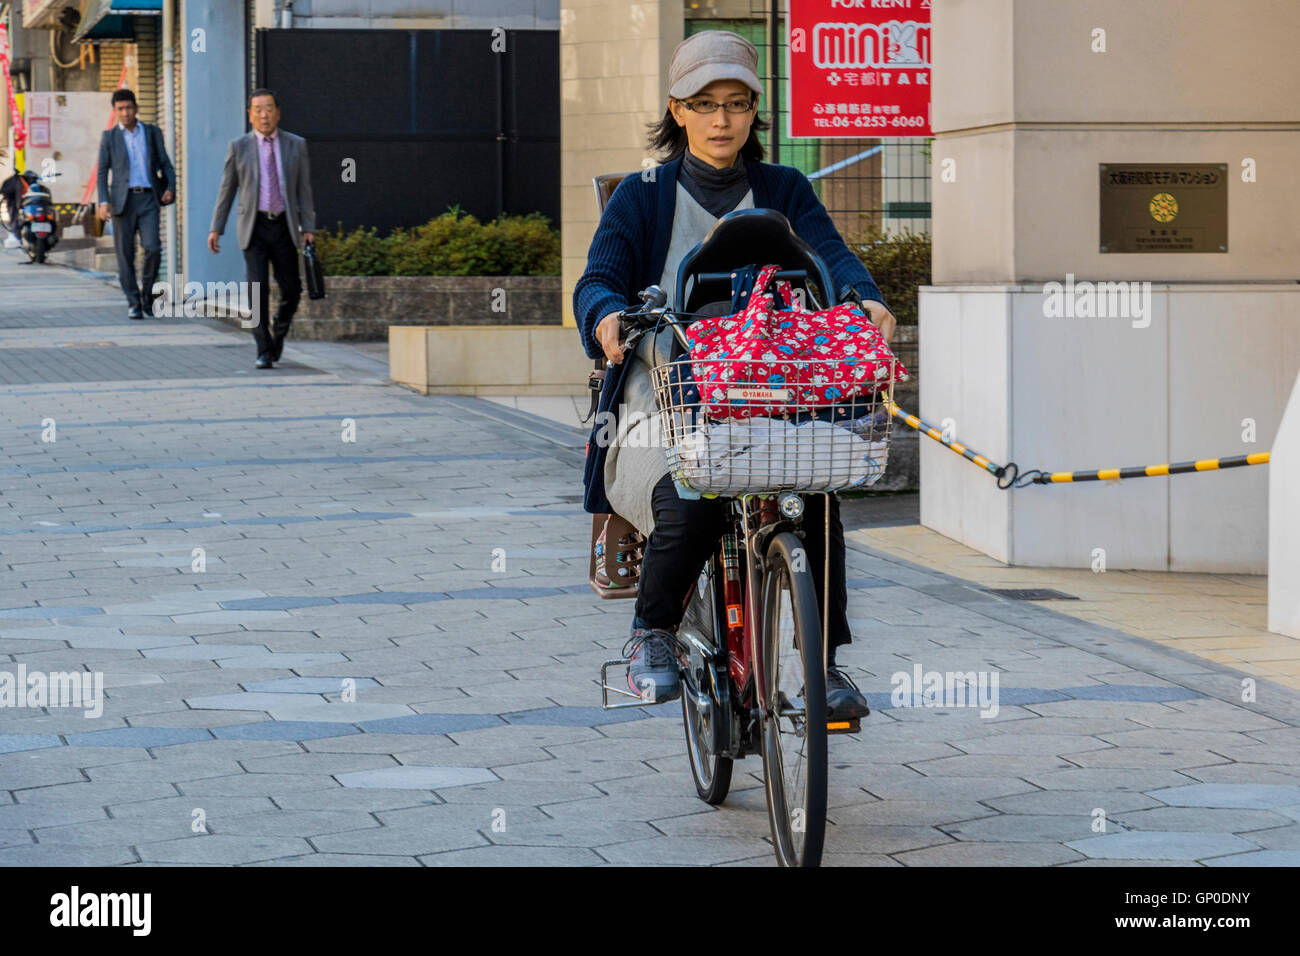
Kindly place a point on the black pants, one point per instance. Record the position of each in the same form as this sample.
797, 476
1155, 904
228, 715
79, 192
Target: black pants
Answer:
685, 535
272, 245
139, 214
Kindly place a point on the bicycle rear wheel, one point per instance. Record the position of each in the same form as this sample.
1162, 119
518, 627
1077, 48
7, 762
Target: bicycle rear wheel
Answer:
794, 723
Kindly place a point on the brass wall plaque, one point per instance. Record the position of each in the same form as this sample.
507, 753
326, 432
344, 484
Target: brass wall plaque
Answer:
1164, 207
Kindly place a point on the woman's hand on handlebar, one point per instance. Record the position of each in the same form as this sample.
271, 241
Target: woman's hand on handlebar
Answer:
881, 318
608, 330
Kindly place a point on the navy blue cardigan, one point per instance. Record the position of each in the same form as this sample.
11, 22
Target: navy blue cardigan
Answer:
630, 248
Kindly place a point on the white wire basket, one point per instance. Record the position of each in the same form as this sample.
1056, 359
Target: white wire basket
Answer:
809, 445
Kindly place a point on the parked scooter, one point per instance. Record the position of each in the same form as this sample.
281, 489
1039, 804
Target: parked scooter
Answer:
38, 224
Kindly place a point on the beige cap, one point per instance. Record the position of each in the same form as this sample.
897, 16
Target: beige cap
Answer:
712, 55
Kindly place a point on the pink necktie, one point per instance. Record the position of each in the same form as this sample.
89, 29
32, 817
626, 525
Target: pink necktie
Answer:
274, 199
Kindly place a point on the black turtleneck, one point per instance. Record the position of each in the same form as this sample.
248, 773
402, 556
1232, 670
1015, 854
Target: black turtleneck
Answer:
717, 190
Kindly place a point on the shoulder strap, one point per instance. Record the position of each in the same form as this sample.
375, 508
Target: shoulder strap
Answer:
595, 383
742, 282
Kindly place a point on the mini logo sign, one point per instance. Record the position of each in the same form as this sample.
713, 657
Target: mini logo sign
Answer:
859, 68
871, 46
765, 395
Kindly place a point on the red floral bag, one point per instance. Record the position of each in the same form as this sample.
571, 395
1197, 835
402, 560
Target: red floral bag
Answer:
764, 361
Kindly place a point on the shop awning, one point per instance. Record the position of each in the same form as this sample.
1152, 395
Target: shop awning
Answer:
110, 20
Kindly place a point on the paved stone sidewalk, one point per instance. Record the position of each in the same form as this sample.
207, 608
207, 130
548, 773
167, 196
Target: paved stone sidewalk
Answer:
1219, 617
319, 651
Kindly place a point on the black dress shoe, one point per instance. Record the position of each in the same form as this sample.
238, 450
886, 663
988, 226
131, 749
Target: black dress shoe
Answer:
843, 699
264, 361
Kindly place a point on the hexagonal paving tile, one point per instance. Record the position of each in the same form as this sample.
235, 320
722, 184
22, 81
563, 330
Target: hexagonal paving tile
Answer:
1161, 845
415, 778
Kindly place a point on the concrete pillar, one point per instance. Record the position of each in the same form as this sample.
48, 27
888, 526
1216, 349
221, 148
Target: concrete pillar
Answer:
613, 81
1030, 98
1284, 523
213, 93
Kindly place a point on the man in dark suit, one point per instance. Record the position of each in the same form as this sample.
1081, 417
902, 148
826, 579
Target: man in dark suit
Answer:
269, 169
142, 183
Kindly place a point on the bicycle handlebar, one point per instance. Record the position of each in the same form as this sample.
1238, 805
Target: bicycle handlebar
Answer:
785, 275
635, 321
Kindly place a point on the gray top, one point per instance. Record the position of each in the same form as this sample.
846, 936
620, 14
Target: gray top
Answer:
691, 223
635, 464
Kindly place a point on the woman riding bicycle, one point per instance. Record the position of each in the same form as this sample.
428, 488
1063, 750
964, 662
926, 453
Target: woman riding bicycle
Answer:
712, 166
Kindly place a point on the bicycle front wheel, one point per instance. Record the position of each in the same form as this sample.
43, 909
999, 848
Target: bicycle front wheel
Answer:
794, 719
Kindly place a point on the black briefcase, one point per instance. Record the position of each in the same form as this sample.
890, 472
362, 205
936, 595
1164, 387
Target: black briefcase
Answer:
313, 272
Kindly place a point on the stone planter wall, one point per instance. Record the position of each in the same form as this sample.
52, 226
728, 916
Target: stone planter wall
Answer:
360, 308
488, 360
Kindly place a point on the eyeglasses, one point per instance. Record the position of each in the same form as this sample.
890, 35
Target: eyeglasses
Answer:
710, 106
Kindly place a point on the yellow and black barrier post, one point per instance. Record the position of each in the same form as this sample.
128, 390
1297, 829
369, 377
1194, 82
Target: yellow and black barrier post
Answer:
1009, 475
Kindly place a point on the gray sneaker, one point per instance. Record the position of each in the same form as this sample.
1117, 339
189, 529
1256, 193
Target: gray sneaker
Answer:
654, 665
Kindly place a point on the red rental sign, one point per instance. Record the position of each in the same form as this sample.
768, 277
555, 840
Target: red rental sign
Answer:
859, 68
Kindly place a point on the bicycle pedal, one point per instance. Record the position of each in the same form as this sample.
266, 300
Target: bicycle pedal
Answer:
844, 726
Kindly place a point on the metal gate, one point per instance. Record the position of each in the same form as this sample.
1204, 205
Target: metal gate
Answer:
427, 119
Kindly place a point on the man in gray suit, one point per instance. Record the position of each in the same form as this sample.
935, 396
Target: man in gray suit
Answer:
143, 182
269, 169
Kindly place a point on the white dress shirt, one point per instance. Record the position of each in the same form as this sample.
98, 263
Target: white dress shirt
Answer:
137, 148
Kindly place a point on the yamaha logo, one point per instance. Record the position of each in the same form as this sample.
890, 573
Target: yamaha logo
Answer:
758, 394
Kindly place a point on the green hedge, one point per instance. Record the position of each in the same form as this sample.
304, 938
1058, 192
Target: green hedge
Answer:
361, 252
899, 263
458, 244
453, 244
